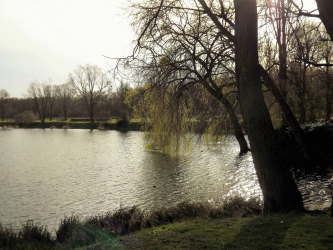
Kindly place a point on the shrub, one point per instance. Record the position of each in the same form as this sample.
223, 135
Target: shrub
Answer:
34, 232
30, 234
75, 233
27, 117
239, 207
66, 228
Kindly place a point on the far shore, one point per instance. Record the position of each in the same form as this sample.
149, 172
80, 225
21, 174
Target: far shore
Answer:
131, 125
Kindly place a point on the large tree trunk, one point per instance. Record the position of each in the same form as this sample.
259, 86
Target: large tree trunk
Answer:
325, 8
279, 188
300, 137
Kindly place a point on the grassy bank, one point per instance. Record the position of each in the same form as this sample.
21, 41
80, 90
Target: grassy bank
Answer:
238, 224
74, 232
282, 231
289, 231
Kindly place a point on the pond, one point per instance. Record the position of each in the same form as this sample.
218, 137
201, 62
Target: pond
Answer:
48, 174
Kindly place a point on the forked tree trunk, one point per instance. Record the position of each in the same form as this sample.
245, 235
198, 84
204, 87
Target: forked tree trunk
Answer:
278, 186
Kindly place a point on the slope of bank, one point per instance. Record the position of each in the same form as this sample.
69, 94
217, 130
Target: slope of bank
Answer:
236, 224
281, 231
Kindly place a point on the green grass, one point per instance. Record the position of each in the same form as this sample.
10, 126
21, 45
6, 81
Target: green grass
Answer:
233, 225
282, 231
74, 232
7, 121
279, 231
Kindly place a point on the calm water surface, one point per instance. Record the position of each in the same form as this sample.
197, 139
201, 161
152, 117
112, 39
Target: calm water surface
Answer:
47, 174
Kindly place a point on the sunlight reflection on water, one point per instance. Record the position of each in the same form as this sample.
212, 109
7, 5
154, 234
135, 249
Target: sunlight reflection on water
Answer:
46, 174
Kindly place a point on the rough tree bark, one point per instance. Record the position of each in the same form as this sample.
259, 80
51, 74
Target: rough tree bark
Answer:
325, 8
278, 186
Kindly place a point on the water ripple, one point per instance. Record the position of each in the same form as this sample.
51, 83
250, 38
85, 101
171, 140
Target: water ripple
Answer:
46, 174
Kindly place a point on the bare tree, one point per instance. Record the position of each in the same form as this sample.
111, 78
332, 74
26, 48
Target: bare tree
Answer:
305, 50
92, 84
52, 95
66, 93
38, 93
4, 95
277, 20
325, 9
328, 55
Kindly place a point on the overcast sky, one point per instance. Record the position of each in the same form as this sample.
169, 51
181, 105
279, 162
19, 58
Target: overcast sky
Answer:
47, 39
42, 39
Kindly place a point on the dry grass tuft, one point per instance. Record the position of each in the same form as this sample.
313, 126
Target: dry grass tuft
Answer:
75, 232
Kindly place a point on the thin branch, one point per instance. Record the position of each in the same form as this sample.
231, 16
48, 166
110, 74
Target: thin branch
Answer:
315, 64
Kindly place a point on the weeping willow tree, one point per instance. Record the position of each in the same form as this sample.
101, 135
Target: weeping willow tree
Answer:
174, 118
166, 118
180, 51
218, 41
